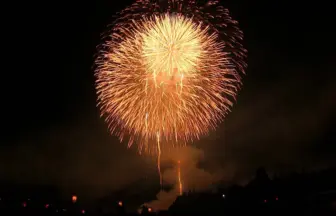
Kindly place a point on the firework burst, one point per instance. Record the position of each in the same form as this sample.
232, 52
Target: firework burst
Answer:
168, 72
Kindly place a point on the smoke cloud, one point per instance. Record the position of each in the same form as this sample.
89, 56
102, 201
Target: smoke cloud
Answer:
193, 177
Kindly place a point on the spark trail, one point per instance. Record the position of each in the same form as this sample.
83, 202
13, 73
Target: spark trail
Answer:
179, 178
159, 159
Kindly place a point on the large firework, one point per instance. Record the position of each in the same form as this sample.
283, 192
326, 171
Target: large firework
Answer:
168, 71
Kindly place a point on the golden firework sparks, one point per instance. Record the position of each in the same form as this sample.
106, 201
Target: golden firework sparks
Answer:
164, 77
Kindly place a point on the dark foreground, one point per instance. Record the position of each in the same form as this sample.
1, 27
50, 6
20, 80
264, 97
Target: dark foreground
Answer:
300, 194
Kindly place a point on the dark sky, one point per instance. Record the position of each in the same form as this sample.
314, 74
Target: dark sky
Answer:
284, 117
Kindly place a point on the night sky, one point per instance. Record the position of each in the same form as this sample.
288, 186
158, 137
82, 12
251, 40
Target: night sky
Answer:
284, 117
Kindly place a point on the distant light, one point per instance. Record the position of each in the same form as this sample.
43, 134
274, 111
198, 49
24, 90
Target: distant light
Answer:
74, 198
24, 204
64, 210
120, 203
149, 209
265, 201
46, 206
276, 198
83, 211
223, 195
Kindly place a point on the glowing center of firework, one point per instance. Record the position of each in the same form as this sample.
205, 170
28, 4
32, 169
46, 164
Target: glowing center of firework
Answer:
171, 48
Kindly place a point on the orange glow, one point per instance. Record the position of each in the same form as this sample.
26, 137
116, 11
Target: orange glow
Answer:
74, 198
168, 77
120, 203
149, 209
